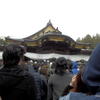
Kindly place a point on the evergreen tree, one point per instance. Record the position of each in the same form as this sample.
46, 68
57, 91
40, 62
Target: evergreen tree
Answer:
94, 40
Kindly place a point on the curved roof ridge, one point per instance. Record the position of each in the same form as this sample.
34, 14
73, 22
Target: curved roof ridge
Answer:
48, 24
45, 35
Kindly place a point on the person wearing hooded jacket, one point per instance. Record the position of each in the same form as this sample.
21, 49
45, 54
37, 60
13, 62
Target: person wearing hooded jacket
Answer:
15, 82
91, 75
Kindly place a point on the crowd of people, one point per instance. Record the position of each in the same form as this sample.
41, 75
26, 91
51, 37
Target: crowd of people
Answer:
62, 80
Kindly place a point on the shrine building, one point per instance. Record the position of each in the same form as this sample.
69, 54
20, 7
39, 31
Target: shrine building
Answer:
50, 40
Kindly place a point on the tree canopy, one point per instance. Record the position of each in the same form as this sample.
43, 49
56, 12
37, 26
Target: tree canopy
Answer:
94, 40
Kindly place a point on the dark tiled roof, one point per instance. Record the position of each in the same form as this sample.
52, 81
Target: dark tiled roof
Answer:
48, 35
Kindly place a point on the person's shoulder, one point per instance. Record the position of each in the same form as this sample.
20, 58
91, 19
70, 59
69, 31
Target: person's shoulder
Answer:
42, 76
91, 97
76, 95
27, 80
68, 74
66, 97
36, 73
28, 76
72, 96
53, 75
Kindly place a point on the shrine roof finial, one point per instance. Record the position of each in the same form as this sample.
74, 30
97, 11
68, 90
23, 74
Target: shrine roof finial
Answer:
49, 23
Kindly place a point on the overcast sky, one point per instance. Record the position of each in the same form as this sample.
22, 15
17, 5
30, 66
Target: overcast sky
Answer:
75, 18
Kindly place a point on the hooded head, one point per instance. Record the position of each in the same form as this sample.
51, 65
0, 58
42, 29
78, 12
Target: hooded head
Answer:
91, 71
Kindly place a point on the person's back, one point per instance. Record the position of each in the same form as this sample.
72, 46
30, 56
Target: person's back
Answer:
15, 82
59, 80
44, 74
38, 80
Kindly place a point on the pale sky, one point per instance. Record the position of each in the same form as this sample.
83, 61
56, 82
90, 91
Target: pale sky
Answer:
75, 18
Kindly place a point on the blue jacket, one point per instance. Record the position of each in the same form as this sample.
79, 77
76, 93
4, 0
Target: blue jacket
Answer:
38, 80
74, 68
72, 96
91, 74
92, 97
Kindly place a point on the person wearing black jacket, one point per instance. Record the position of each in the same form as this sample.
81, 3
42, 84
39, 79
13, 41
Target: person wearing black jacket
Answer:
15, 82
